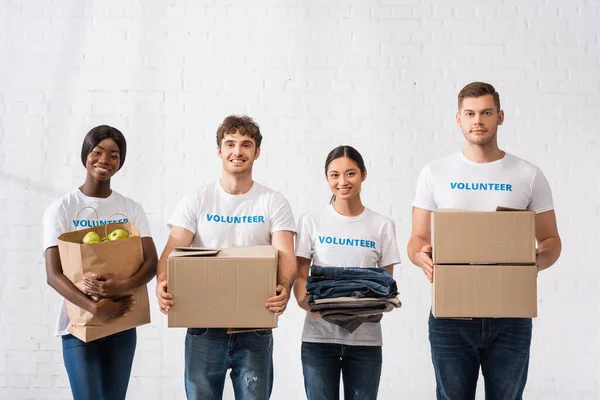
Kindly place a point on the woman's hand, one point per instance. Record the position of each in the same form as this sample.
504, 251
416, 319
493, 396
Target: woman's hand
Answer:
106, 285
113, 308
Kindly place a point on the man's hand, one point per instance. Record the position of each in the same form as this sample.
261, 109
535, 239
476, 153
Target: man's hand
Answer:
165, 300
106, 285
113, 308
277, 304
424, 261
538, 261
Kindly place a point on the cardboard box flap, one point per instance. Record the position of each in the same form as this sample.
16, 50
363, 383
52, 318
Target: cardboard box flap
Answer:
500, 208
247, 252
266, 251
188, 252
193, 252
195, 249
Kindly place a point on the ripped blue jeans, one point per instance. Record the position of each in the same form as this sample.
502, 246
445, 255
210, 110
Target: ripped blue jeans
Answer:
209, 353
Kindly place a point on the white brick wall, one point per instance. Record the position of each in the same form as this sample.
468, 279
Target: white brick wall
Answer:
379, 74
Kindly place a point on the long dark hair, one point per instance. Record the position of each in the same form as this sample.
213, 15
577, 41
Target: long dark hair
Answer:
345, 151
98, 134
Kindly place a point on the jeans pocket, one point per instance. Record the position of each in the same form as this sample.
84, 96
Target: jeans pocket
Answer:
197, 331
264, 332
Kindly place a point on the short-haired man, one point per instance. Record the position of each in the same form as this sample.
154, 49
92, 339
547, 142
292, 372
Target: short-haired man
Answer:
500, 346
209, 353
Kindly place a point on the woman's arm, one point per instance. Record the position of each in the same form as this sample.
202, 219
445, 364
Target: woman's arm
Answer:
300, 284
109, 286
59, 282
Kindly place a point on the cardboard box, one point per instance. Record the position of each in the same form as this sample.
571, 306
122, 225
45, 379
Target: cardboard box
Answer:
480, 237
484, 264
222, 288
462, 291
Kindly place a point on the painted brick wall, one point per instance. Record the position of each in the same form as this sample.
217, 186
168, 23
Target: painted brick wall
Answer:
381, 75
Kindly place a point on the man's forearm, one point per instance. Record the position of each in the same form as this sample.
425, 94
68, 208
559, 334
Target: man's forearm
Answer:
286, 271
549, 251
415, 244
161, 270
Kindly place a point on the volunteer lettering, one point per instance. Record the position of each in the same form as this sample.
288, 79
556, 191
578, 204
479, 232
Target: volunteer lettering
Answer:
347, 242
481, 186
245, 219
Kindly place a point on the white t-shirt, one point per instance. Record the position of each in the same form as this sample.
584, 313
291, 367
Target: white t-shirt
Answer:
323, 237
219, 219
68, 214
459, 183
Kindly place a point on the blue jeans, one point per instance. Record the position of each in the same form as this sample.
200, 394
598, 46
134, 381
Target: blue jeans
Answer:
499, 345
355, 288
328, 282
360, 367
209, 353
373, 274
99, 370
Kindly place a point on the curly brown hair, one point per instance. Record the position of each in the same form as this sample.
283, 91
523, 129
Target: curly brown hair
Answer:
242, 124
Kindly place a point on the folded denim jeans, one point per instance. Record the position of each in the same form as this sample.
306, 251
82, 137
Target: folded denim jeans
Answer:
395, 302
379, 275
349, 288
329, 282
350, 307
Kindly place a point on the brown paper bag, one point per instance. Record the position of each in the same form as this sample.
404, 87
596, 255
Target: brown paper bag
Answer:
121, 258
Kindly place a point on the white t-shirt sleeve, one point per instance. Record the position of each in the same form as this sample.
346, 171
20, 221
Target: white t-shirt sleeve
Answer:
54, 225
424, 191
541, 194
186, 214
140, 220
303, 239
389, 246
282, 218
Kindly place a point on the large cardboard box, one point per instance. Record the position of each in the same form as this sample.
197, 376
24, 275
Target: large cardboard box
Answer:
463, 291
222, 288
484, 264
483, 237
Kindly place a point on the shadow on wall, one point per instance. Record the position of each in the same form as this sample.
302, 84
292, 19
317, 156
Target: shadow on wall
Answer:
40, 189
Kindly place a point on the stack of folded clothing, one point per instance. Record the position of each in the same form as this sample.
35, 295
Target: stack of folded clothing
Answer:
350, 296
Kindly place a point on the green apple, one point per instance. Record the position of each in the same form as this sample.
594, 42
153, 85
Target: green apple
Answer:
91, 237
131, 234
118, 234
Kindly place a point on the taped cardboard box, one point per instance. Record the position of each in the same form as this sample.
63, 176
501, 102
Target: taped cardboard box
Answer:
484, 264
222, 288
